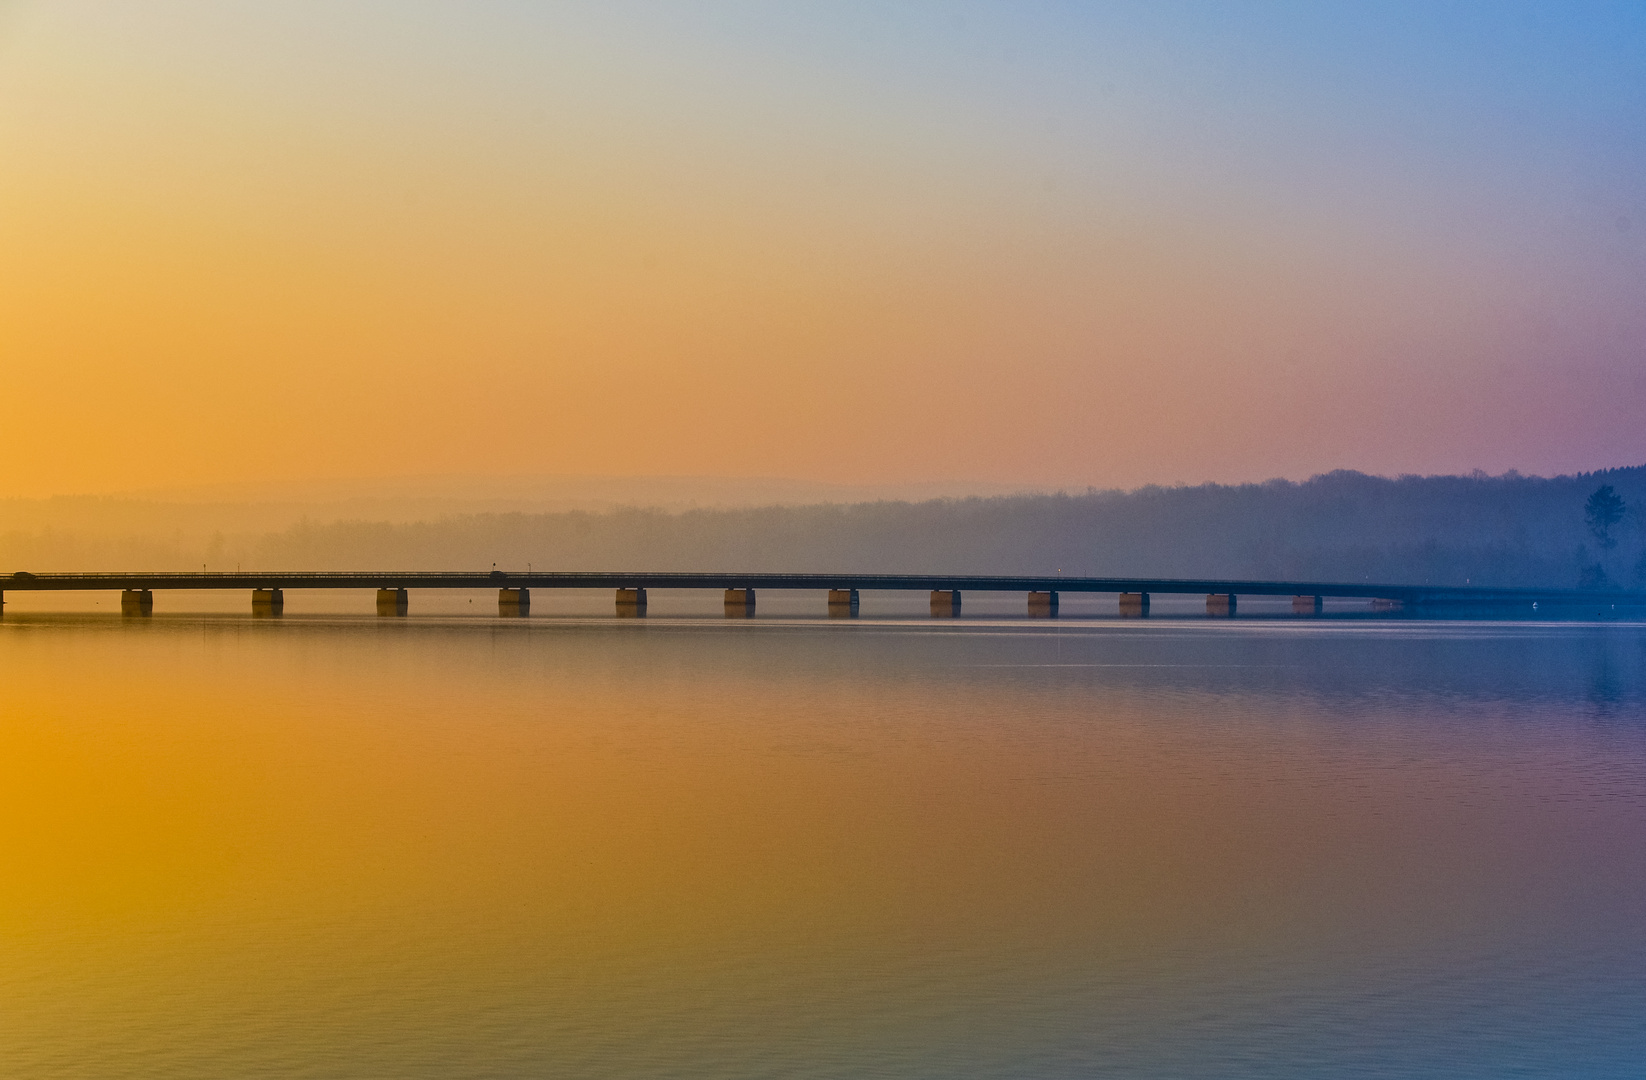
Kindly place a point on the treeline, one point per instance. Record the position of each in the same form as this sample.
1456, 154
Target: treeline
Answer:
1487, 530
1503, 530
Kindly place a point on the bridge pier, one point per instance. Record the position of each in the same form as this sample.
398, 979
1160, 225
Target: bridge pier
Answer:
268, 602
514, 601
139, 602
1134, 604
391, 601
843, 603
739, 603
1043, 605
945, 603
1219, 603
631, 603
1308, 605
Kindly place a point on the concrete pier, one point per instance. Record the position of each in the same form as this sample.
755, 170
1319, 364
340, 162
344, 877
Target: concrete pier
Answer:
268, 602
843, 603
945, 603
1308, 605
136, 602
1220, 603
391, 601
514, 601
1134, 603
739, 603
631, 603
1042, 605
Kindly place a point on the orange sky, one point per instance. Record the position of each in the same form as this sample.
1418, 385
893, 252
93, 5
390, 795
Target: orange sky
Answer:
239, 245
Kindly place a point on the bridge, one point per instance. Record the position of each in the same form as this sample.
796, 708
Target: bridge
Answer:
842, 591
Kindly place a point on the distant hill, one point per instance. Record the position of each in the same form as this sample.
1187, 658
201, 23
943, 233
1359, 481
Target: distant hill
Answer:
1487, 530
1502, 530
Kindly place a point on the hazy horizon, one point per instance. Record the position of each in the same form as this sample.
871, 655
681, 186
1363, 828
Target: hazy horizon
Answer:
1506, 530
583, 491
661, 490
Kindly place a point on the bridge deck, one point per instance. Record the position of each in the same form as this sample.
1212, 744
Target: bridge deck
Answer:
422, 579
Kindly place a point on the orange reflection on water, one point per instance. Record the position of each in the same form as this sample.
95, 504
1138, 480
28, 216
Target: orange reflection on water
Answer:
294, 838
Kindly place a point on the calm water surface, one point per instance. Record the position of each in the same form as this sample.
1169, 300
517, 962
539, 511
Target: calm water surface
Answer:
445, 847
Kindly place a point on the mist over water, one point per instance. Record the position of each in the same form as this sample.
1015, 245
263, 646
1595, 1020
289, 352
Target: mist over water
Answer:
1510, 530
339, 846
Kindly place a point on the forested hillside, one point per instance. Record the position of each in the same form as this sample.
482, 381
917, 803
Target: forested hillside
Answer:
1488, 530
1508, 530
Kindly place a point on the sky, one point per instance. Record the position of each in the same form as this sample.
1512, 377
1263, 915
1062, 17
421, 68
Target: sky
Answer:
1048, 244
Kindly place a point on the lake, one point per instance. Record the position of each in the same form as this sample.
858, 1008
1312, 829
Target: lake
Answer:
447, 846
